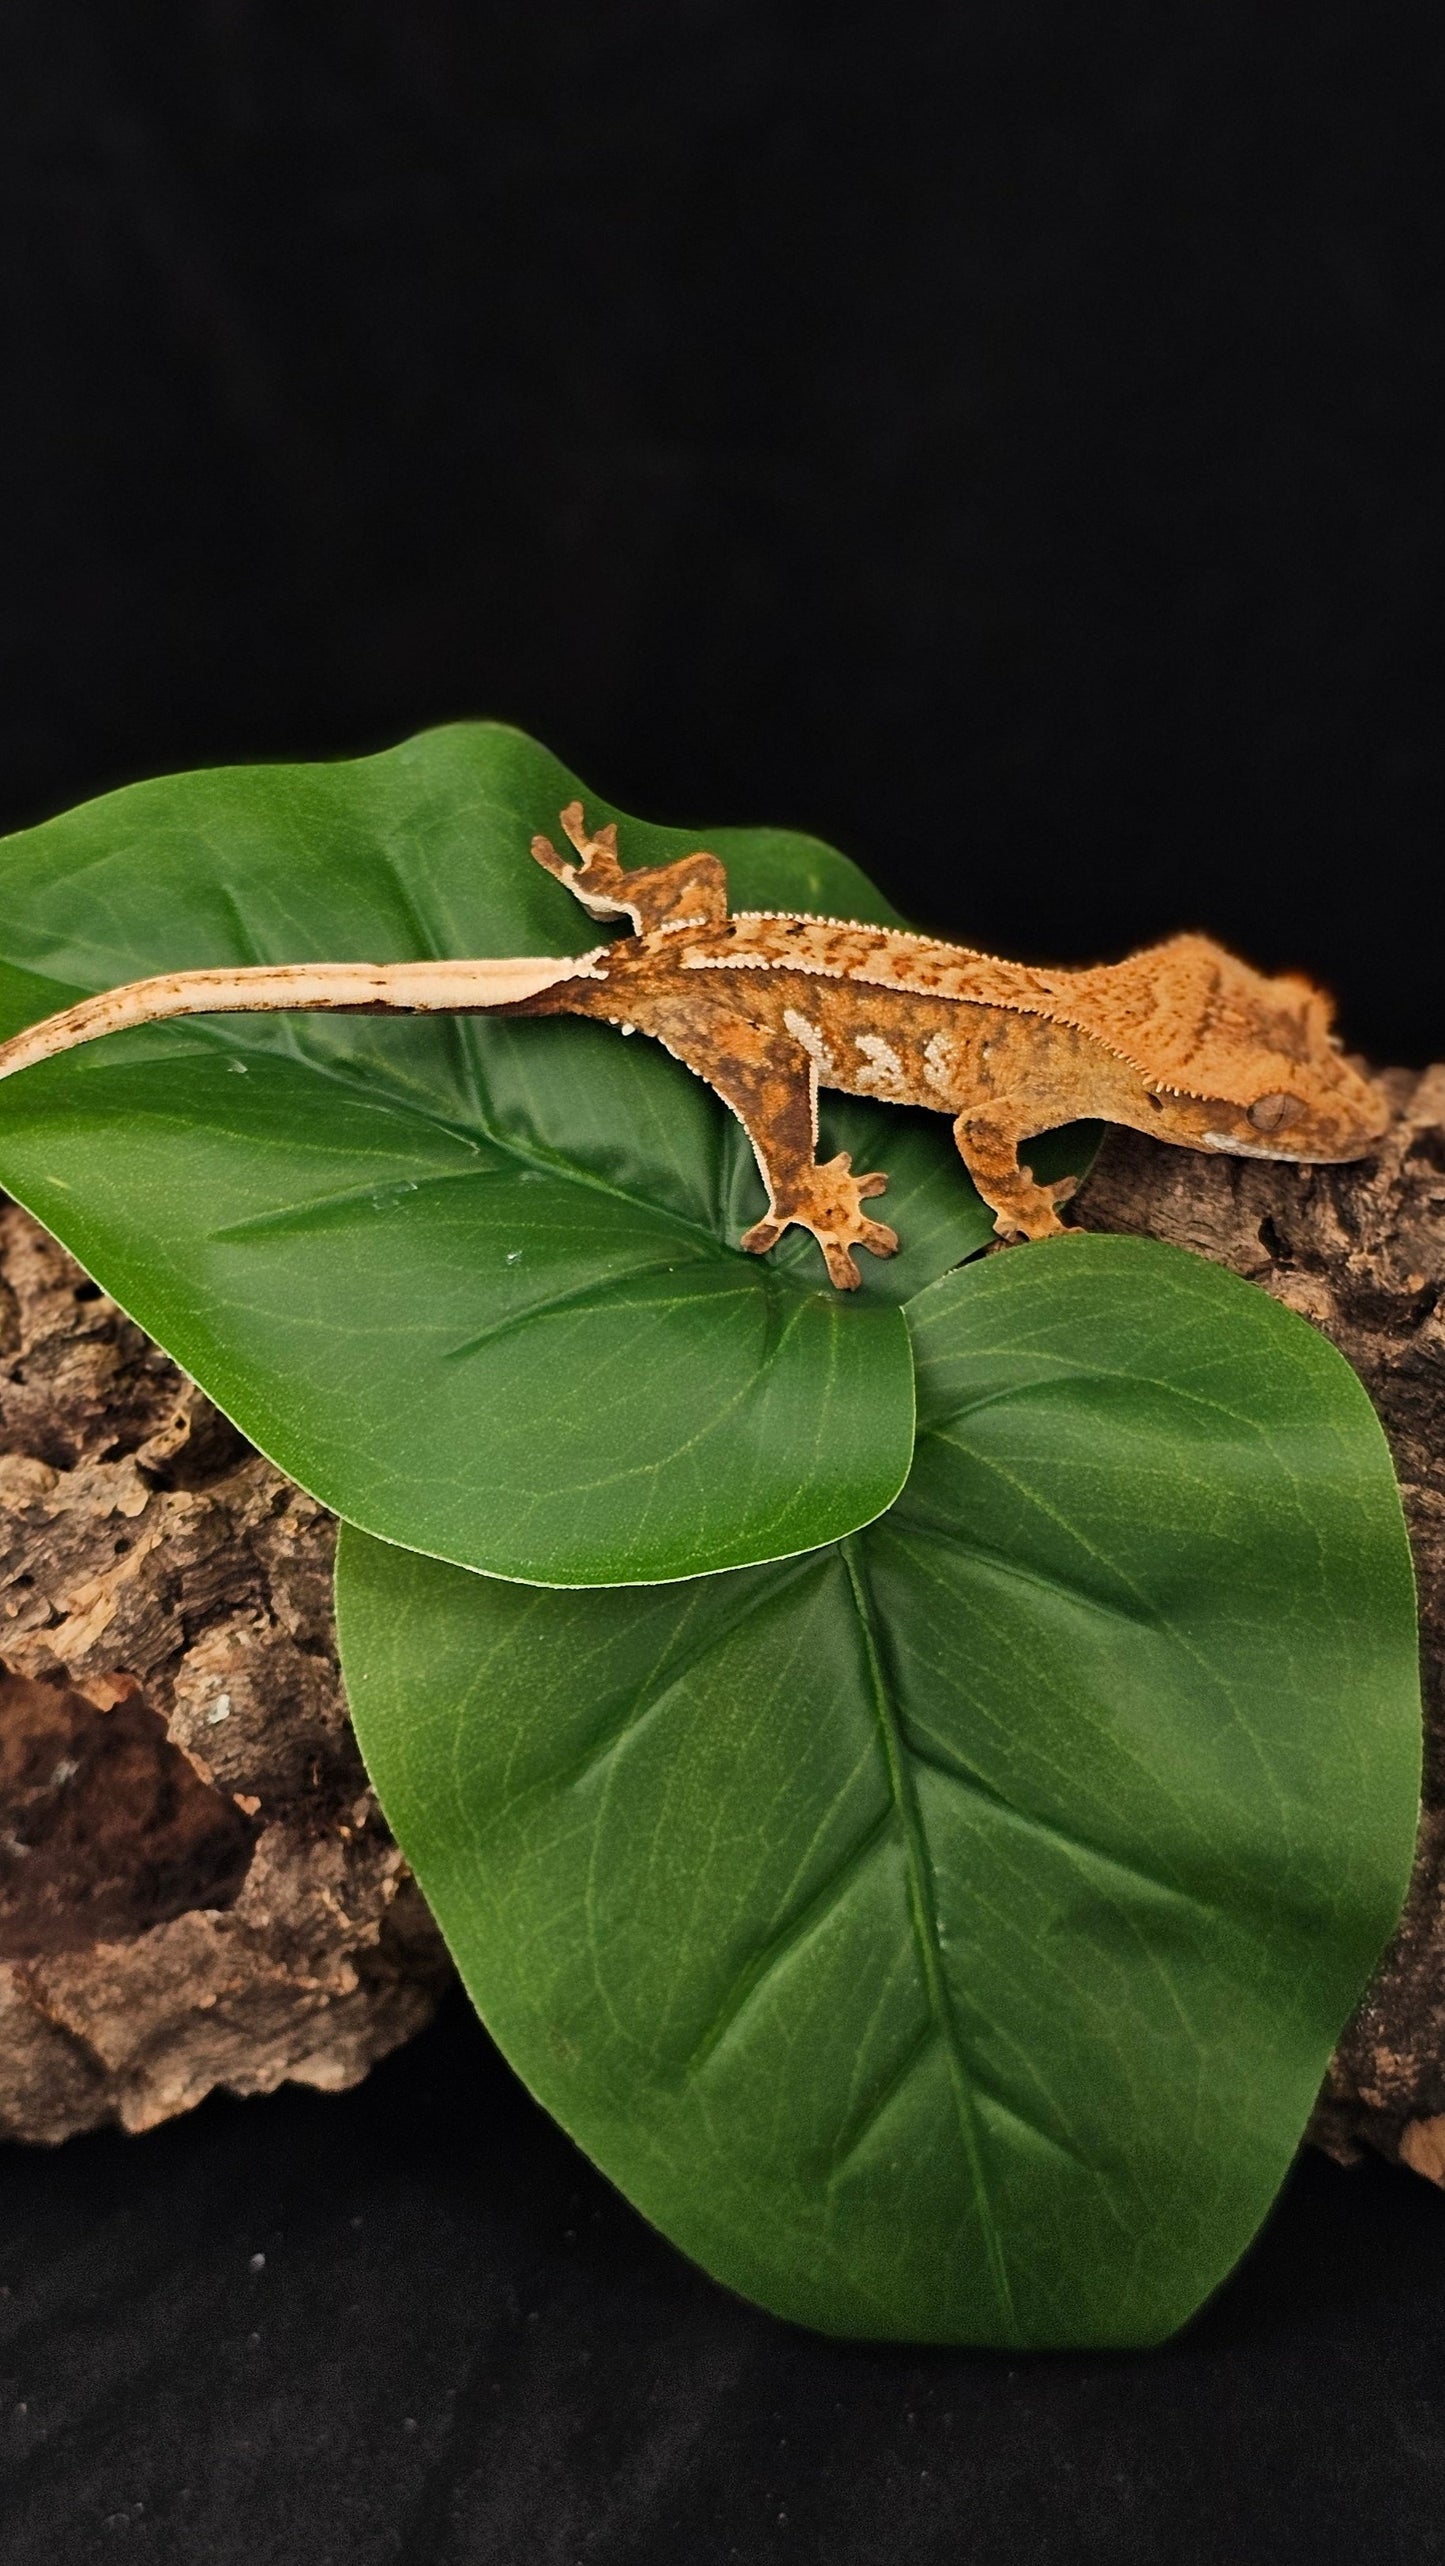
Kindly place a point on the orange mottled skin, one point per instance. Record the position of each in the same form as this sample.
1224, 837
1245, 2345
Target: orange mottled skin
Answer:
1182, 1041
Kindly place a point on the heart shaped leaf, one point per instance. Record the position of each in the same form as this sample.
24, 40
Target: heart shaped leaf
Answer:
944, 1934
475, 1284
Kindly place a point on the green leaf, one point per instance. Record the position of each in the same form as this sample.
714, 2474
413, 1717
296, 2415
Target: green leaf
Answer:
474, 1284
944, 1935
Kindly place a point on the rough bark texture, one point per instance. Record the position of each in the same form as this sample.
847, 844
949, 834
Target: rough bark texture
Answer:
1360, 1251
196, 1887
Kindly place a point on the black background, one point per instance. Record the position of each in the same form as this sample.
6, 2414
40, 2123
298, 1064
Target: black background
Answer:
462, 2349
1005, 439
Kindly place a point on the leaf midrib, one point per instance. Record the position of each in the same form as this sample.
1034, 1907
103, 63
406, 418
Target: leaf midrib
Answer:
923, 1916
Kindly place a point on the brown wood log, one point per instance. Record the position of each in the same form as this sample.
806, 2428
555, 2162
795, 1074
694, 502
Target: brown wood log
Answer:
196, 1887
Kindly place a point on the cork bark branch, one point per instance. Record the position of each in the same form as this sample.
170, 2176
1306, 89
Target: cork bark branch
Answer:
196, 1886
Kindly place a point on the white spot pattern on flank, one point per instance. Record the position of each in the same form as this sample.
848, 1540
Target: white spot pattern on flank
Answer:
884, 1074
938, 1063
809, 1035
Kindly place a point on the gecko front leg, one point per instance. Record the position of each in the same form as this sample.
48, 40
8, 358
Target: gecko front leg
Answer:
770, 1083
988, 1143
691, 892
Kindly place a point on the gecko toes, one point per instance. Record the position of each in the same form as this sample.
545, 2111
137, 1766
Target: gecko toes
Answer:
878, 1238
841, 1268
829, 1204
763, 1235
1043, 1223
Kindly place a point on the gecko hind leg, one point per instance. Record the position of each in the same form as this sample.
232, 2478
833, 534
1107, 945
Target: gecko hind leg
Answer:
692, 891
770, 1083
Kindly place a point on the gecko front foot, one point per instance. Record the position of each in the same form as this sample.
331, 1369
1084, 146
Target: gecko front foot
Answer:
988, 1144
1033, 1211
827, 1200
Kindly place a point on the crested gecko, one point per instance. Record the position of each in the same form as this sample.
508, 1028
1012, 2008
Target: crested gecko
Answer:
1182, 1040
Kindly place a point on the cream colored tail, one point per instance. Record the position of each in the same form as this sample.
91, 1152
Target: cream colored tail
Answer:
342, 988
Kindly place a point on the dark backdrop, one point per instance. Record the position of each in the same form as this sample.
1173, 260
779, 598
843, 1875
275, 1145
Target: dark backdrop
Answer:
1004, 438
1000, 435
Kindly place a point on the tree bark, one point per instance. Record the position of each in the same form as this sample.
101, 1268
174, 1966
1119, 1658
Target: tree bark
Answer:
196, 1886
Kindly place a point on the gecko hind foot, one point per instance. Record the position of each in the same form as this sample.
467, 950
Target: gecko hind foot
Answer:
598, 868
690, 891
828, 1202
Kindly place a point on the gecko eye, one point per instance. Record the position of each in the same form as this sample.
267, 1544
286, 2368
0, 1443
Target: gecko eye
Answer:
1271, 1113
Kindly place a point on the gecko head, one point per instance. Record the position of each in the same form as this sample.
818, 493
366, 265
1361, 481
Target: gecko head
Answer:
1269, 1077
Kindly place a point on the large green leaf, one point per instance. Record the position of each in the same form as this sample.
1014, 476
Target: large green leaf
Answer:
944, 1934
474, 1284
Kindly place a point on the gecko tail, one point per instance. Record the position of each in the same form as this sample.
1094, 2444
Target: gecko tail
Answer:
337, 988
